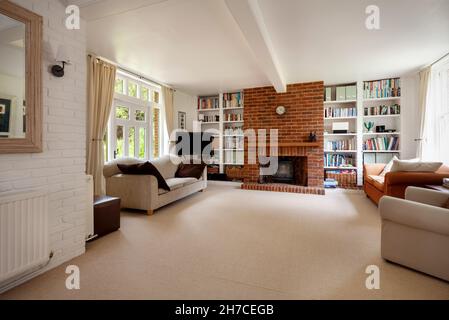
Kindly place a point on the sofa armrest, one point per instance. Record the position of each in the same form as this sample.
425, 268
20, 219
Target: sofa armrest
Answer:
135, 191
414, 178
205, 174
373, 169
415, 214
426, 196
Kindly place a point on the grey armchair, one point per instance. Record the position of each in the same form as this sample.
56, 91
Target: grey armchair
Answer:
415, 231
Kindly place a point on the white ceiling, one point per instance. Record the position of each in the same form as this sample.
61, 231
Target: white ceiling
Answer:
327, 39
198, 47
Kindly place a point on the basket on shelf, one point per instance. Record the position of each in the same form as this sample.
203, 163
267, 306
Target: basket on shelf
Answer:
234, 172
344, 179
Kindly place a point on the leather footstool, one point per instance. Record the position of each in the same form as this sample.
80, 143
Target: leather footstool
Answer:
106, 215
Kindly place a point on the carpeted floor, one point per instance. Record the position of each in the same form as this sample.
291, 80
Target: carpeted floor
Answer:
227, 243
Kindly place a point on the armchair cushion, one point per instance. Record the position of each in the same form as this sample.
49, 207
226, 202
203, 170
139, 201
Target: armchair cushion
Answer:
145, 168
373, 169
388, 167
377, 181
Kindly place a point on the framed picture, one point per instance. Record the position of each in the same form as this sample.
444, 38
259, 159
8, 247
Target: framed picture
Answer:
181, 120
5, 111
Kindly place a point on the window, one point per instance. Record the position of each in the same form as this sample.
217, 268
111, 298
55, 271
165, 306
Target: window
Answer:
132, 89
134, 128
119, 85
436, 120
140, 115
122, 113
145, 93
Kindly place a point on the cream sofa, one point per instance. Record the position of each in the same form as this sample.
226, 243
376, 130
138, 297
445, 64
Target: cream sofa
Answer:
415, 231
142, 192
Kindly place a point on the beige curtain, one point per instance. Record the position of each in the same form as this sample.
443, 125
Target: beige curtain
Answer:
101, 85
424, 84
169, 112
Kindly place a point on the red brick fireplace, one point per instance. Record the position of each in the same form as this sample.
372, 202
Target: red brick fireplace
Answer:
304, 114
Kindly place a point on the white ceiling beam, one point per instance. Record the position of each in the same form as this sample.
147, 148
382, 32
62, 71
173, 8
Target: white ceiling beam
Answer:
249, 18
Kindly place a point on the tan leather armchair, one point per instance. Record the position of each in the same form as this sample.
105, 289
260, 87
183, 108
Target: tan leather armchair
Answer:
415, 231
394, 183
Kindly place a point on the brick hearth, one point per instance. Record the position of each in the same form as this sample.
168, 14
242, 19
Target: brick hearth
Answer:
282, 187
304, 105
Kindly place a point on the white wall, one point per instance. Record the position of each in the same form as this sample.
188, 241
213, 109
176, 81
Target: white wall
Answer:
188, 104
61, 167
410, 116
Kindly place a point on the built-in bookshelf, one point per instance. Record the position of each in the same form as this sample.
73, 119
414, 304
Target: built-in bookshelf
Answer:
340, 148
372, 117
223, 115
381, 105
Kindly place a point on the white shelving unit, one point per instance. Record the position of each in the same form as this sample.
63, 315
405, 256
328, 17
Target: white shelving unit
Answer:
230, 117
358, 131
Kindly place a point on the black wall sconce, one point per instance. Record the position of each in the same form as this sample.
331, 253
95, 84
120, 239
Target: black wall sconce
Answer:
63, 58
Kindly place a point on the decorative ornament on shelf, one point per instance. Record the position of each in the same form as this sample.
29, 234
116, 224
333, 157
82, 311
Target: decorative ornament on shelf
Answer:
369, 126
312, 137
280, 110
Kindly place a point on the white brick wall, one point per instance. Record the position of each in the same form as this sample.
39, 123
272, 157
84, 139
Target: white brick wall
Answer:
61, 167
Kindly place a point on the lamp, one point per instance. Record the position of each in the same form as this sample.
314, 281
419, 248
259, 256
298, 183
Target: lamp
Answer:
62, 57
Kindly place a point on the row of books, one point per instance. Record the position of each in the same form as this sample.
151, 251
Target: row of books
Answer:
232, 100
233, 142
340, 112
338, 160
209, 118
208, 103
349, 144
233, 130
233, 117
382, 110
382, 88
382, 143
330, 183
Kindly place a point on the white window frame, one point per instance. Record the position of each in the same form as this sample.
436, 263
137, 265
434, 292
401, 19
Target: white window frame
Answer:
135, 104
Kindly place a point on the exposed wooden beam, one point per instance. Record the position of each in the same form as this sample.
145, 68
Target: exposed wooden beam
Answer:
249, 17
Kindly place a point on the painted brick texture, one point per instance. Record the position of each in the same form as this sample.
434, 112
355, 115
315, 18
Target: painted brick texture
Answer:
304, 105
60, 168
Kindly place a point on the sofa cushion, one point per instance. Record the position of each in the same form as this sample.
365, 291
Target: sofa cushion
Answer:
110, 168
415, 166
186, 170
167, 165
176, 183
145, 168
388, 167
377, 181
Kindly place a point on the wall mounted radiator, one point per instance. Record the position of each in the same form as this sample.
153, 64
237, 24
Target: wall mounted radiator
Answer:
23, 233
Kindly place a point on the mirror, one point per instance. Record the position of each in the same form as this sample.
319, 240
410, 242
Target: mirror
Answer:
12, 78
20, 79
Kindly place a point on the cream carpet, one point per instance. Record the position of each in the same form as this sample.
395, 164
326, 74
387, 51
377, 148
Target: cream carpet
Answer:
227, 243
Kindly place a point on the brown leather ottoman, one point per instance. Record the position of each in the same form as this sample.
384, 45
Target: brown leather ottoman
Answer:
106, 215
